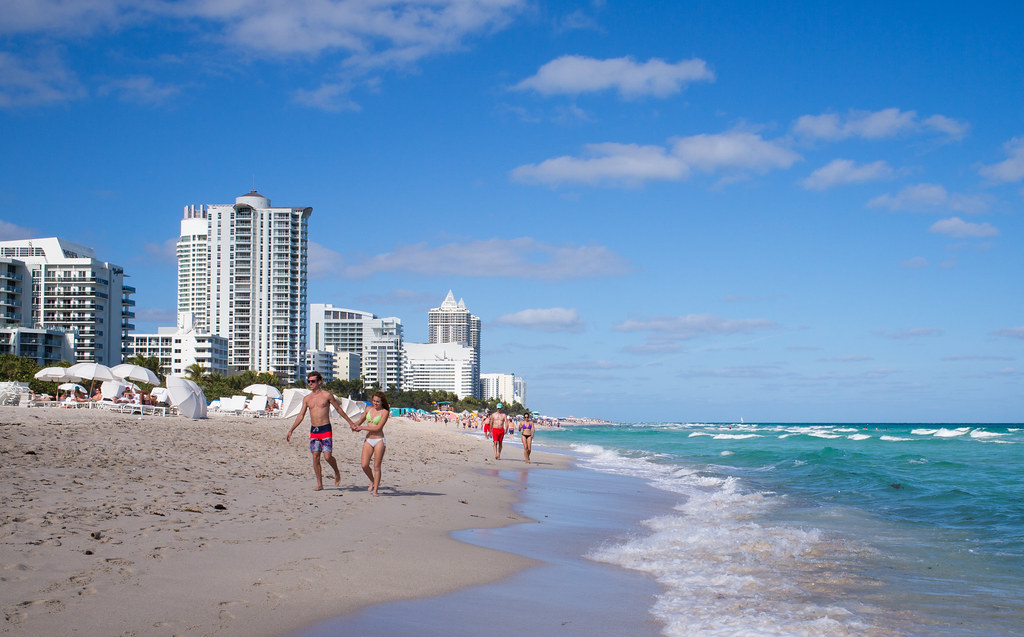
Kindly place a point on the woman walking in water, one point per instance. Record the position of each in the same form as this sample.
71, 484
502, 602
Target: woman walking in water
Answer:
375, 417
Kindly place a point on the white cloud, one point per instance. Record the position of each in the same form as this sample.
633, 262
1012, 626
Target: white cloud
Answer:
522, 258
323, 262
629, 164
913, 197
930, 196
140, 89
575, 74
328, 97
1011, 168
632, 164
889, 122
693, 325
166, 252
1011, 332
555, 319
915, 263
916, 332
951, 127
957, 227
733, 150
361, 35
12, 232
43, 80
840, 172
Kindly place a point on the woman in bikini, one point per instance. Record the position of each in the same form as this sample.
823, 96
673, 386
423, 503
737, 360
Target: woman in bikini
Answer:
526, 435
375, 417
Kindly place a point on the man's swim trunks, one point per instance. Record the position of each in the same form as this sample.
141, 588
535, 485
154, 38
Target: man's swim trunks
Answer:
320, 438
497, 435
320, 444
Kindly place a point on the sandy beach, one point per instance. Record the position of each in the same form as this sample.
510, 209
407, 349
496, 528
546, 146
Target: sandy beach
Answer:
126, 525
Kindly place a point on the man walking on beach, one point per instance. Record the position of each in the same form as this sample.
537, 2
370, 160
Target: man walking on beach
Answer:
319, 403
497, 420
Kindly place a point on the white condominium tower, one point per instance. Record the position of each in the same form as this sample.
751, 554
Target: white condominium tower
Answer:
242, 272
63, 285
377, 341
452, 323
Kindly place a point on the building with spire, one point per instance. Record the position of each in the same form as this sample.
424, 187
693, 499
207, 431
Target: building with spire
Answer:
242, 274
453, 323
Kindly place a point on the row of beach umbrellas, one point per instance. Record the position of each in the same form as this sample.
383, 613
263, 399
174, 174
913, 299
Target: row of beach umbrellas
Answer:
182, 393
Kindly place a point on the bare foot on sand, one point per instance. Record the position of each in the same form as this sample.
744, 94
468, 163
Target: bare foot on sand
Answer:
318, 487
337, 480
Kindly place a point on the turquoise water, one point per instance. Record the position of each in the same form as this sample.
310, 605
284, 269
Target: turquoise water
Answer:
823, 529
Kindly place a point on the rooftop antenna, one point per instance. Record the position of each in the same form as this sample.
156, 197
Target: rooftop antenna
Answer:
254, 183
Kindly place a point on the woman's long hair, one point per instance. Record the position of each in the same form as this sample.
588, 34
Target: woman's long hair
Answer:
383, 399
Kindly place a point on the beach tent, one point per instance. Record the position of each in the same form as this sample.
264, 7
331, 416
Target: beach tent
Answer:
293, 404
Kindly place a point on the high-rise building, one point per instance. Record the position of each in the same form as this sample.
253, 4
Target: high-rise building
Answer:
377, 341
63, 286
453, 323
499, 387
242, 272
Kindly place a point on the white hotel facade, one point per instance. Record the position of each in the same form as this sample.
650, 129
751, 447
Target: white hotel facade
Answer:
54, 286
242, 274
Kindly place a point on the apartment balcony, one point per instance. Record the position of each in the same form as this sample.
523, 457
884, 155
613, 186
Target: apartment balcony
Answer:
128, 289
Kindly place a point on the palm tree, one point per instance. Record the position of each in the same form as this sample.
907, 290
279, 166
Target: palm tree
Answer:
195, 372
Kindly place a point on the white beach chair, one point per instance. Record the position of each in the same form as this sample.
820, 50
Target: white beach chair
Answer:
256, 407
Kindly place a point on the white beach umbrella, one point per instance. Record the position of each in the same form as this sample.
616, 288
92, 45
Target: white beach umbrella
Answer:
92, 371
56, 375
138, 373
187, 397
159, 394
292, 402
71, 387
260, 389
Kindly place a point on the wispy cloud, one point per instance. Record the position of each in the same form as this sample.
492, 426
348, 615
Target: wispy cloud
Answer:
1010, 169
522, 258
575, 74
842, 172
554, 319
32, 82
140, 89
872, 125
695, 325
327, 97
733, 153
165, 252
356, 35
1010, 332
957, 227
923, 197
917, 332
12, 232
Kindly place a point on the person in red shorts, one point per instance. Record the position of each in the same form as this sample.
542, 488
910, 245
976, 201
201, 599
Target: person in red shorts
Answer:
498, 420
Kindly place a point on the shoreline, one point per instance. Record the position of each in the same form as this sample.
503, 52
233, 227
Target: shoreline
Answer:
119, 524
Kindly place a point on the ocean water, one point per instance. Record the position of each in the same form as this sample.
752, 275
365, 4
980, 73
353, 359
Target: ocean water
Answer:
822, 529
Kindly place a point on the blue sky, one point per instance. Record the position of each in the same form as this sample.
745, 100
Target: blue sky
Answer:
660, 211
